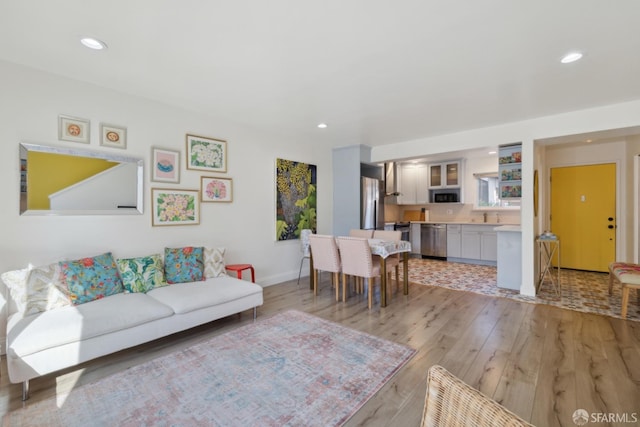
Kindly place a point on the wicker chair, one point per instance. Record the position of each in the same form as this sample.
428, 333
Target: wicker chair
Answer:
452, 403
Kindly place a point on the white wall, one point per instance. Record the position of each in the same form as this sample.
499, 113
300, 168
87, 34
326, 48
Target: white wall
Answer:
30, 103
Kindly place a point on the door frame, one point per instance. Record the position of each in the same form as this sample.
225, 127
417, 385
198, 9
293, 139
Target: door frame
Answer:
636, 208
621, 207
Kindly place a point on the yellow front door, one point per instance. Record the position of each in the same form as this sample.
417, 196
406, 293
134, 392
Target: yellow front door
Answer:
583, 207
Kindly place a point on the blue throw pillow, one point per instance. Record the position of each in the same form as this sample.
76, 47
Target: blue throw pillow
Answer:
88, 279
184, 264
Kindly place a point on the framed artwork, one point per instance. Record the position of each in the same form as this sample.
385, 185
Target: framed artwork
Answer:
113, 136
207, 154
165, 165
295, 198
74, 129
213, 189
174, 207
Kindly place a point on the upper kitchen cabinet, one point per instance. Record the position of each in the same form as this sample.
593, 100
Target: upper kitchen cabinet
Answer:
412, 184
445, 175
510, 171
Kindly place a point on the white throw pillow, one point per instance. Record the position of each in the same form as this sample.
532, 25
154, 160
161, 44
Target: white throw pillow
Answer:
214, 263
45, 291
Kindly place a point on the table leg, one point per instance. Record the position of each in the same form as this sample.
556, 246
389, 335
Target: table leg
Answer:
311, 275
405, 266
383, 282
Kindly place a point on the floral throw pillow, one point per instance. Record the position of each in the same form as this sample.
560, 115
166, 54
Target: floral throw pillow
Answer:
214, 262
88, 279
142, 274
184, 264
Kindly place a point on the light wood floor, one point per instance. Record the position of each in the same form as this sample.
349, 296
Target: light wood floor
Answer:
539, 361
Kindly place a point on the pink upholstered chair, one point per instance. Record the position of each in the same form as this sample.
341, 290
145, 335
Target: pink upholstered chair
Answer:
326, 257
355, 254
392, 261
367, 234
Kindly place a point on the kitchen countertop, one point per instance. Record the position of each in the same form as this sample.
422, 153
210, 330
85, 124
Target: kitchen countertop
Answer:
497, 224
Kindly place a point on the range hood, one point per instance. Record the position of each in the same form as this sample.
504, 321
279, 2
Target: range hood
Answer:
390, 180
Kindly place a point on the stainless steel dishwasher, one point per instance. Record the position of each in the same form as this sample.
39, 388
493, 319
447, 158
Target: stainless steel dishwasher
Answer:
433, 240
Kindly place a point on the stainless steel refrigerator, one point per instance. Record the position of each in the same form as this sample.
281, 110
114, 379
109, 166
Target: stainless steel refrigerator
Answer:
371, 204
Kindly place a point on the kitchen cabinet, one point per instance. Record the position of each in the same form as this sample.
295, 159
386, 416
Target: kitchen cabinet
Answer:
454, 241
414, 237
510, 171
473, 242
445, 175
413, 184
479, 242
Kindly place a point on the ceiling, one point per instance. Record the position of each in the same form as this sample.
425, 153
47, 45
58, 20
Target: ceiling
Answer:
377, 72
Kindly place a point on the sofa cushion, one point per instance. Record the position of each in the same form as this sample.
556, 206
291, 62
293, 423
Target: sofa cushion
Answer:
183, 265
214, 262
188, 297
45, 291
89, 279
30, 334
142, 274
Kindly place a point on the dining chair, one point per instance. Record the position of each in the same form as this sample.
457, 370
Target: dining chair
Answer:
394, 260
355, 254
326, 257
355, 232
304, 248
450, 402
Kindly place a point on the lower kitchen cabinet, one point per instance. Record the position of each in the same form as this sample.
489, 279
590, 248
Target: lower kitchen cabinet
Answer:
473, 243
414, 237
454, 242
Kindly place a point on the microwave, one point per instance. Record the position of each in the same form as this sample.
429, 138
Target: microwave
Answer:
445, 198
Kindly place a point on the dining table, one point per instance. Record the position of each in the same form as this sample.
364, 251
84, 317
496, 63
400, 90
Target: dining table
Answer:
384, 249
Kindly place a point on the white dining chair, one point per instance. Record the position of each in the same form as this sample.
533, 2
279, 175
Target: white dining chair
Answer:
394, 260
326, 257
304, 248
355, 254
357, 232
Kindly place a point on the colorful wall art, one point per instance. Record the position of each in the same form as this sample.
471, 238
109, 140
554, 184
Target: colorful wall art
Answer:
295, 198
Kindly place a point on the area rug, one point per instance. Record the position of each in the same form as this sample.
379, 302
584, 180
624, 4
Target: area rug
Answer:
292, 369
583, 291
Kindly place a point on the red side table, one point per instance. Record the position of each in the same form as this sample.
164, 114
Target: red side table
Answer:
239, 268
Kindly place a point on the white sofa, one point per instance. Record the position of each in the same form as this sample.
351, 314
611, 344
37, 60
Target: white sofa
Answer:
52, 340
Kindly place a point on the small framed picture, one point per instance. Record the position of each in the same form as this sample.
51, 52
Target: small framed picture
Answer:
74, 129
174, 207
214, 189
113, 136
165, 165
207, 154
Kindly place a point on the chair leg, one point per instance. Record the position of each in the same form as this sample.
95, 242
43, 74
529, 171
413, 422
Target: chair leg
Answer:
625, 301
370, 291
315, 282
336, 279
610, 282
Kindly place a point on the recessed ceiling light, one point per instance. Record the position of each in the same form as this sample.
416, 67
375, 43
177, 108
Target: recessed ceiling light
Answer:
322, 125
571, 57
92, 43
492, 152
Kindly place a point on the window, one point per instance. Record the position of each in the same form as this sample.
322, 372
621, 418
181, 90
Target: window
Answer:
488, 192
